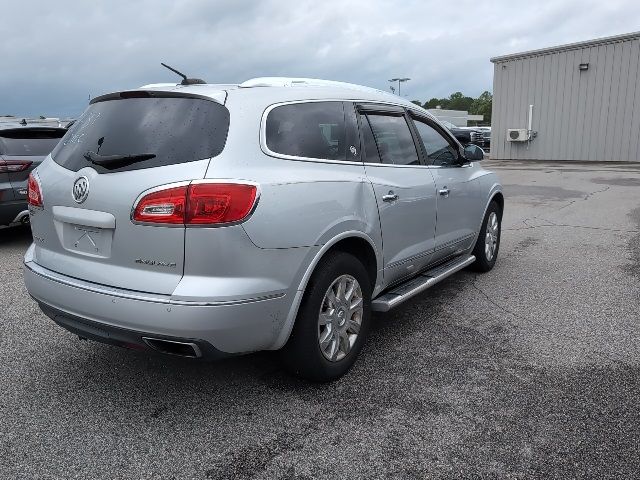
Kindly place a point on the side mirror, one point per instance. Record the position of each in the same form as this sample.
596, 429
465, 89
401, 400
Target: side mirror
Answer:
473, 153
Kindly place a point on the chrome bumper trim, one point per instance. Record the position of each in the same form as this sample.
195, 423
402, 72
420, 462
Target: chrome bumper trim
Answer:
133, 295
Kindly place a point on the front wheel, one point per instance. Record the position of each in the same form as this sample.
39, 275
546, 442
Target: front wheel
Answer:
488, 243
332, 322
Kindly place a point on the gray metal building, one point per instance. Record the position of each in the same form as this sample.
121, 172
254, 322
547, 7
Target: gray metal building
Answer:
572, 102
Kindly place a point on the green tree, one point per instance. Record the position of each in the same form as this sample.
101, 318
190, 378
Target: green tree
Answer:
482, 106
457, 101
433, 103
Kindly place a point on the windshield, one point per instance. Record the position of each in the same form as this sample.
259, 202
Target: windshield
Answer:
169, 130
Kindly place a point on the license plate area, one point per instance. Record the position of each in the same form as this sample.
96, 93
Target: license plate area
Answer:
90, 241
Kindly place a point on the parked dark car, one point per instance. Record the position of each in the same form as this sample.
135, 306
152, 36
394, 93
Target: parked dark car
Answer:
486, 137
470, 135
22, 148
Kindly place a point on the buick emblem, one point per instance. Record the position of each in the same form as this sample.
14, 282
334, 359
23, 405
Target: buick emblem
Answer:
80, 190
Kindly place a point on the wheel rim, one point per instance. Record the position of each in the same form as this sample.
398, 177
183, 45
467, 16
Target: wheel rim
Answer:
340, 318
491, 237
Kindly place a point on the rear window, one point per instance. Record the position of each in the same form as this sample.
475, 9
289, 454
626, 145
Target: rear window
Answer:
174, 129
309, 130
30, 141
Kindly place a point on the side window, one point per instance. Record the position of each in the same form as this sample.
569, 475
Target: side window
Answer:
370, 153
311, 130
438, 149
394, 140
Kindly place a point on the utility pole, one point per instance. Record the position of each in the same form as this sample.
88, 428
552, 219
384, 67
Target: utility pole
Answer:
399, 80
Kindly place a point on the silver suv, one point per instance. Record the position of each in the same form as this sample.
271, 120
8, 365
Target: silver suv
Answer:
212, 220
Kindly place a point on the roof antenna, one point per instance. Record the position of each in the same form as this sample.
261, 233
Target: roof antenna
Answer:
185, 80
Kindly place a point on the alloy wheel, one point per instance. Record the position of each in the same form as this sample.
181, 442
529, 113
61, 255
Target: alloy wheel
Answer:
340, 318
491, 237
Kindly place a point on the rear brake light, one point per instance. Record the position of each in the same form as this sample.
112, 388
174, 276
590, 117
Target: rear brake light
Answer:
162, 206
197, 204
219, 202
11, 166
34, 194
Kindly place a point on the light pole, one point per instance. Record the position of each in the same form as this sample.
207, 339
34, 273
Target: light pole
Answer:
399, 80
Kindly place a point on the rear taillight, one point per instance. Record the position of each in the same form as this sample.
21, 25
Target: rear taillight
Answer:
11, 166
34, 194
162, 206
197, 204
219, 202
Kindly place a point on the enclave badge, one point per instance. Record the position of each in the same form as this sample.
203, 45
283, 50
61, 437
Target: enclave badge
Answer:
159, 263
80, 190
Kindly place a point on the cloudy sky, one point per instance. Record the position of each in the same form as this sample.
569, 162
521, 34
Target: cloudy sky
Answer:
57, 54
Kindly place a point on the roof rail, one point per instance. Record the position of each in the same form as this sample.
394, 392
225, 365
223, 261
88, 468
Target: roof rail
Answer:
159, 85
302, 82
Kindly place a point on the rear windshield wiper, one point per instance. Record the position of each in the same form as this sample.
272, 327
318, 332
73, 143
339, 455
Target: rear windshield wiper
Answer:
117, 160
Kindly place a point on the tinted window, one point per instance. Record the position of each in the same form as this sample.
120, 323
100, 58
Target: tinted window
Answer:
394, 140
370, 153
438, 149
312, 130
174, 129
30, 141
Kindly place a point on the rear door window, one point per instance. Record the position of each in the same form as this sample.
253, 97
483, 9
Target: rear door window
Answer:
174, 129
394, 139
29, 141
308, 130
370, 153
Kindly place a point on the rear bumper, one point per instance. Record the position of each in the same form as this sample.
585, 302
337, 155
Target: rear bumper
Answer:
126, 338
123, 316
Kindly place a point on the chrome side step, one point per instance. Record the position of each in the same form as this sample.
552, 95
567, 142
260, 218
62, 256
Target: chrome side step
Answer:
409, 289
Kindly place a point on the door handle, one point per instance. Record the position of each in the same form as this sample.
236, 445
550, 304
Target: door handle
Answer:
390, 197
444, 192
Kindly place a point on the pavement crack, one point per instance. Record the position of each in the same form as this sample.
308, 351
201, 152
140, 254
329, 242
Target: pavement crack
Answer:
612, 357
492, 301
586, 197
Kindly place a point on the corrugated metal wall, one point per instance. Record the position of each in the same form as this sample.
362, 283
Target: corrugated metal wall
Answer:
579, 115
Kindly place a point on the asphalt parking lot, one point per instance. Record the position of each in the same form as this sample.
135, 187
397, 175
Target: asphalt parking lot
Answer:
529, 371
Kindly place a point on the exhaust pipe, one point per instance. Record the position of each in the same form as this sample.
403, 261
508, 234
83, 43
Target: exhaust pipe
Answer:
22, 217
172, 347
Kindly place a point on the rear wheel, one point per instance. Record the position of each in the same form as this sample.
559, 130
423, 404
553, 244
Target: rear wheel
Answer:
332, 322
488, 243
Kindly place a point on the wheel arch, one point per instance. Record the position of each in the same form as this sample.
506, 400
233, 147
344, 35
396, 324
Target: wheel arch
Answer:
498, 197
494, 195
356, 243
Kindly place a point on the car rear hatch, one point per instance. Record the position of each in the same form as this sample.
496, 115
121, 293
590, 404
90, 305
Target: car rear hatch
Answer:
139, 141
23, 149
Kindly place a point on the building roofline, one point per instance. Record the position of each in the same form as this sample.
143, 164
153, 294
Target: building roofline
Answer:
568, 46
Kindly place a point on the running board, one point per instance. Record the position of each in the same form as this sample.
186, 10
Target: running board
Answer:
419, 284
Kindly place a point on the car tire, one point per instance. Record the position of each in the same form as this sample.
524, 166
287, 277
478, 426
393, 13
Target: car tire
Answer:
330, 328
488, 243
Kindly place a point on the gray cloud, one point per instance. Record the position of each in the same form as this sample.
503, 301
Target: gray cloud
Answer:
56, 54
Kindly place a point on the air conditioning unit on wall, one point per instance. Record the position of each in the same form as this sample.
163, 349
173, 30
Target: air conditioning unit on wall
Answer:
517, 134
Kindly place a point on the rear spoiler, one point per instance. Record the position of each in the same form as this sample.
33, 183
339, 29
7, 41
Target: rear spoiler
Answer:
23, 132
220, 97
